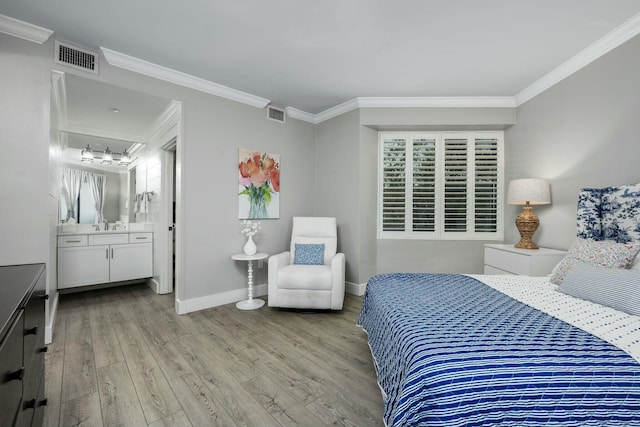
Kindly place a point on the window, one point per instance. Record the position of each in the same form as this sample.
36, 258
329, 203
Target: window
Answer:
445, 185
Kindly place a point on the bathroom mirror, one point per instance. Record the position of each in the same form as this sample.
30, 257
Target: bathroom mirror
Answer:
117, 188
106, 119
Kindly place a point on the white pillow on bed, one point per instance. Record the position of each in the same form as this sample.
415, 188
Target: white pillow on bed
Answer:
618, 288
605, 253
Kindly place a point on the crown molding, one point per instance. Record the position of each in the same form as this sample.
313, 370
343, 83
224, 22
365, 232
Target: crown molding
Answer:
24, 30
294, 113
609, 42
615, 38
410, 102
336, 111
437, 102
136, 65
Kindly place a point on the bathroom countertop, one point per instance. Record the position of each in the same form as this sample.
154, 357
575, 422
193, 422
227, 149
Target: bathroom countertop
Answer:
61, 232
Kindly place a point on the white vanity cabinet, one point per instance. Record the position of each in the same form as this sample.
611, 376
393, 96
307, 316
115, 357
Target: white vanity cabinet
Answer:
102, 258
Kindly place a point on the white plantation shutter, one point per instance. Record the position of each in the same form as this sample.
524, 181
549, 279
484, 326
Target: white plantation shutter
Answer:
424, 183
486, 184
394, 161
441, 185
455, 184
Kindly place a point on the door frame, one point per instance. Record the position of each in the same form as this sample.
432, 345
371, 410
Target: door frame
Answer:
166, 135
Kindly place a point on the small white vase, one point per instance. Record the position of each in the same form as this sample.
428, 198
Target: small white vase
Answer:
250, 247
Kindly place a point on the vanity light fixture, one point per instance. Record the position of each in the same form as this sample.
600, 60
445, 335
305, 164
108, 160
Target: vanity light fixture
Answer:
87, 155
107, 157
124, 158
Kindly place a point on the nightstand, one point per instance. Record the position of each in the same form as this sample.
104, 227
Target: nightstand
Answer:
507, 259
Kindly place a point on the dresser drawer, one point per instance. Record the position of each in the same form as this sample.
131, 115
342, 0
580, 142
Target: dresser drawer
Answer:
508, 261
10, 366
68, 241
33, 346
140, 237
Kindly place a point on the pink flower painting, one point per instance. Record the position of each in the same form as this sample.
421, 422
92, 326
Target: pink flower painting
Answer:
259, 178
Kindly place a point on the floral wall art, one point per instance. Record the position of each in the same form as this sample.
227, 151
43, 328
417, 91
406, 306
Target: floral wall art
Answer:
259, 189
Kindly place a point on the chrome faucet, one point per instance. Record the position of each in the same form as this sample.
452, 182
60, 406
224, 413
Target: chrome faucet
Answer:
96, 227
106, 225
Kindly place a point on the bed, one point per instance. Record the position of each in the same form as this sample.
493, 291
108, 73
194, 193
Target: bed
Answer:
479, 350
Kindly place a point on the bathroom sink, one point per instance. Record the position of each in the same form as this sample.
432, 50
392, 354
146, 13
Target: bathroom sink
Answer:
88, 229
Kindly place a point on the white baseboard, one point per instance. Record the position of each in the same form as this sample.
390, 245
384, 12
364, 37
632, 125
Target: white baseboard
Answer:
53, 310
209, 301
355, 288
154, 285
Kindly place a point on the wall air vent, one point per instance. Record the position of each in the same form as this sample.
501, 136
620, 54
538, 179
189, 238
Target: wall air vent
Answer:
76, 57
275, 114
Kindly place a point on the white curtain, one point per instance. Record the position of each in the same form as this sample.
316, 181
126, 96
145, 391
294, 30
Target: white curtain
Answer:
97, 183
71, 190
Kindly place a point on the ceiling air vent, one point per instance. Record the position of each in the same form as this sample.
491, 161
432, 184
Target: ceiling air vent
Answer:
76, 57
275, 114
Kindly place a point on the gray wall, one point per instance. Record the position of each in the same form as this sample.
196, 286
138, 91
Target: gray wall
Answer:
337, 188
24, 154
582, 132
368, 203
213, 130
347, 188
435, 256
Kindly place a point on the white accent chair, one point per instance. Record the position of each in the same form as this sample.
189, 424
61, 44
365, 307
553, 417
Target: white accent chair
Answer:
308, 286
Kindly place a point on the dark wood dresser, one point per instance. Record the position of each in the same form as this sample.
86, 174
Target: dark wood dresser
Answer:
22, 311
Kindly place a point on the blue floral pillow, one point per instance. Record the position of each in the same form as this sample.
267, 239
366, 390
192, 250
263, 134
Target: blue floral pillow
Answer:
590, 214
620, 212
610, 213
309, 254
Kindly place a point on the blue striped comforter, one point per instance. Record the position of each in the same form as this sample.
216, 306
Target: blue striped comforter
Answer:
452, 351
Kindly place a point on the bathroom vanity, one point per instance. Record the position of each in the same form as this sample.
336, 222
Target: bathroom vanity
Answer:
103, 257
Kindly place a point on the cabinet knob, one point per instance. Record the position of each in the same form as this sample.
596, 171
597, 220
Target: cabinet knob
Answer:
43, 402
30, 404
32, 331
15, 375
45, 296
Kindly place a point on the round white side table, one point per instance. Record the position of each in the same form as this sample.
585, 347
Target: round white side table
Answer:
250, 303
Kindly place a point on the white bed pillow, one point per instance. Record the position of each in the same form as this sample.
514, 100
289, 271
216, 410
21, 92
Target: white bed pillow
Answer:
605, 253
617, 288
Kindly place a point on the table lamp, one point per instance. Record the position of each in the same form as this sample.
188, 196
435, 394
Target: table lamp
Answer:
527, 192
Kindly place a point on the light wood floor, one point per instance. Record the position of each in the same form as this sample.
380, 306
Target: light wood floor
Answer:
122, 356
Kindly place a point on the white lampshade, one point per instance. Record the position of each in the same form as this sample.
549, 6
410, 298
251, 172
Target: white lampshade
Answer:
532, 190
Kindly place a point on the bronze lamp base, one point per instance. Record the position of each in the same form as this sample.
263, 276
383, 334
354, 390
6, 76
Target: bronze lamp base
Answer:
527, 223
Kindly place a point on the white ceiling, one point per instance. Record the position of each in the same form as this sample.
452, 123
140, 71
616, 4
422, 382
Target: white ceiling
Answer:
105, 116
315, 54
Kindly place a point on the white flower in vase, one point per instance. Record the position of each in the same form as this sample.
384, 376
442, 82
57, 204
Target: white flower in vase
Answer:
250, 229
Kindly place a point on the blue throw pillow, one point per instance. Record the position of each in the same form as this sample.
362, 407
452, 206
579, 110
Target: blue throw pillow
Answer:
310, 254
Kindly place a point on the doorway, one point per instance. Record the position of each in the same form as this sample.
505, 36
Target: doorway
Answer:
168, 159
